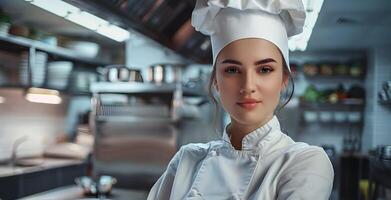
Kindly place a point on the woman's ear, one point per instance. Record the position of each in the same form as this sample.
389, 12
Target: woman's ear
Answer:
285, 81
215, 85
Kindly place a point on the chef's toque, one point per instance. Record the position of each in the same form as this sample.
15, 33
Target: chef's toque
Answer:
226, 21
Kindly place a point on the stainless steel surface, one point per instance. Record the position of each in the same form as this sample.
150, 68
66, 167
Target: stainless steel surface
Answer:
106, 183
48, 163
136, 111
133, 87
164, 73
103, 186
121, 73
136, 153
135, 136
75, 192
87, 184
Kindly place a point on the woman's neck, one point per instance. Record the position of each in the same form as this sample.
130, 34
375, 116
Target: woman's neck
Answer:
238, 131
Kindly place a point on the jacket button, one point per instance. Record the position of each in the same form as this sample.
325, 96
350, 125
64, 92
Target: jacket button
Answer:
193, 193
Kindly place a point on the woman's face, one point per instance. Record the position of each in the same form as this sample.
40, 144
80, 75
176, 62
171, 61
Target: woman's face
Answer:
249, 79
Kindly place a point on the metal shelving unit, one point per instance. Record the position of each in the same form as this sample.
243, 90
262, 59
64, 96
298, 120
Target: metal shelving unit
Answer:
349, 104
145, 88
134, 119
131, 87
27, 44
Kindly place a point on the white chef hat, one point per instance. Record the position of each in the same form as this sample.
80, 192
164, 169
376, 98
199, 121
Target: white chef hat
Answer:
228, 20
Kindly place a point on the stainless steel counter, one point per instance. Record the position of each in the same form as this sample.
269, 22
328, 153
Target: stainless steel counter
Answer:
47, 163
74, 192
17, 182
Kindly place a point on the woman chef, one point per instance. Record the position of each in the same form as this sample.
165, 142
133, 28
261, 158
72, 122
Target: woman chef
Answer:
254, 159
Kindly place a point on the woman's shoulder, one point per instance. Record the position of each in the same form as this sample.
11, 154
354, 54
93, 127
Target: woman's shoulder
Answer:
304, 157
303, 151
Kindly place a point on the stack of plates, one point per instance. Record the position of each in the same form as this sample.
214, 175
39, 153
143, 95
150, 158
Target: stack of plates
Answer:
83, 48
38, 69
83, 80
58, 74
23, 69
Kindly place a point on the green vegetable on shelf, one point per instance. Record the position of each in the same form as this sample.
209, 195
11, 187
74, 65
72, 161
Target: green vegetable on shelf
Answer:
311, 94
324, 95
341, 69
356, 70
4, 18
333, 98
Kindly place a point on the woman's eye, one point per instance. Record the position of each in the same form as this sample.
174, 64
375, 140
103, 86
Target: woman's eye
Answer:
232, 70
265, 70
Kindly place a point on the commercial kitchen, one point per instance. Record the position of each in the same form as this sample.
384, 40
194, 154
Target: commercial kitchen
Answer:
97, 96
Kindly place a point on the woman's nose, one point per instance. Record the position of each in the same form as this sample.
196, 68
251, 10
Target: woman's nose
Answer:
248, 85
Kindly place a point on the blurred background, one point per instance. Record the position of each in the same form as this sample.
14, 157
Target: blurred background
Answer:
96, 96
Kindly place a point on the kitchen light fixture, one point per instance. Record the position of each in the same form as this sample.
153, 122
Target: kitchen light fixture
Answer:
83, 18
299, 42
42, 95
2, 99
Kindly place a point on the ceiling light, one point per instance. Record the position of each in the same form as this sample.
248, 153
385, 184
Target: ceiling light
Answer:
299, 42
83, 18
2, 99
113, 31
41, 95
57, 7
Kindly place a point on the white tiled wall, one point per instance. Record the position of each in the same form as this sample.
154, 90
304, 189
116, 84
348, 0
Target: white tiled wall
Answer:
377, 130
19, 118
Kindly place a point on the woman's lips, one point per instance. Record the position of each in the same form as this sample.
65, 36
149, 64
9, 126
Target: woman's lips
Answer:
248, 103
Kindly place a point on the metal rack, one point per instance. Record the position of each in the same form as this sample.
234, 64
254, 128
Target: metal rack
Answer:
132, 88
171, 95
25, 43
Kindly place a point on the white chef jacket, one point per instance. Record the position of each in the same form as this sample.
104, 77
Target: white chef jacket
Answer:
269, 166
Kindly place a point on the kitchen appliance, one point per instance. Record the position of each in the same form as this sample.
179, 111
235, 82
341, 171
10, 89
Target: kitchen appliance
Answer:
134, 128
121, 73
102, 186
164, 73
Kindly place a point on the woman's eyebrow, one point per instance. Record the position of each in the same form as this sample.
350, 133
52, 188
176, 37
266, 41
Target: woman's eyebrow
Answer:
259, 62
230, 61
264, 61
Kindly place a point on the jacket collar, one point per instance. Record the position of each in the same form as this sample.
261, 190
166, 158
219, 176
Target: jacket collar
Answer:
260, 136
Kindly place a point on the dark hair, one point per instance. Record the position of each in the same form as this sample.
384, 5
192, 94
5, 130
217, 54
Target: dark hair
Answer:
287, 95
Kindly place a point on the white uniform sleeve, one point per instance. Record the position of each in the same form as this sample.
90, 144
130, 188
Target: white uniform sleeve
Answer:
161, 190
310, 176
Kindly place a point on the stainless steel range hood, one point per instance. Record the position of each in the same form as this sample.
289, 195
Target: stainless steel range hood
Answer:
165, 21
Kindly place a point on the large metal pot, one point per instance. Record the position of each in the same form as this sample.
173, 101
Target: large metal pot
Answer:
164, 73
121, 73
